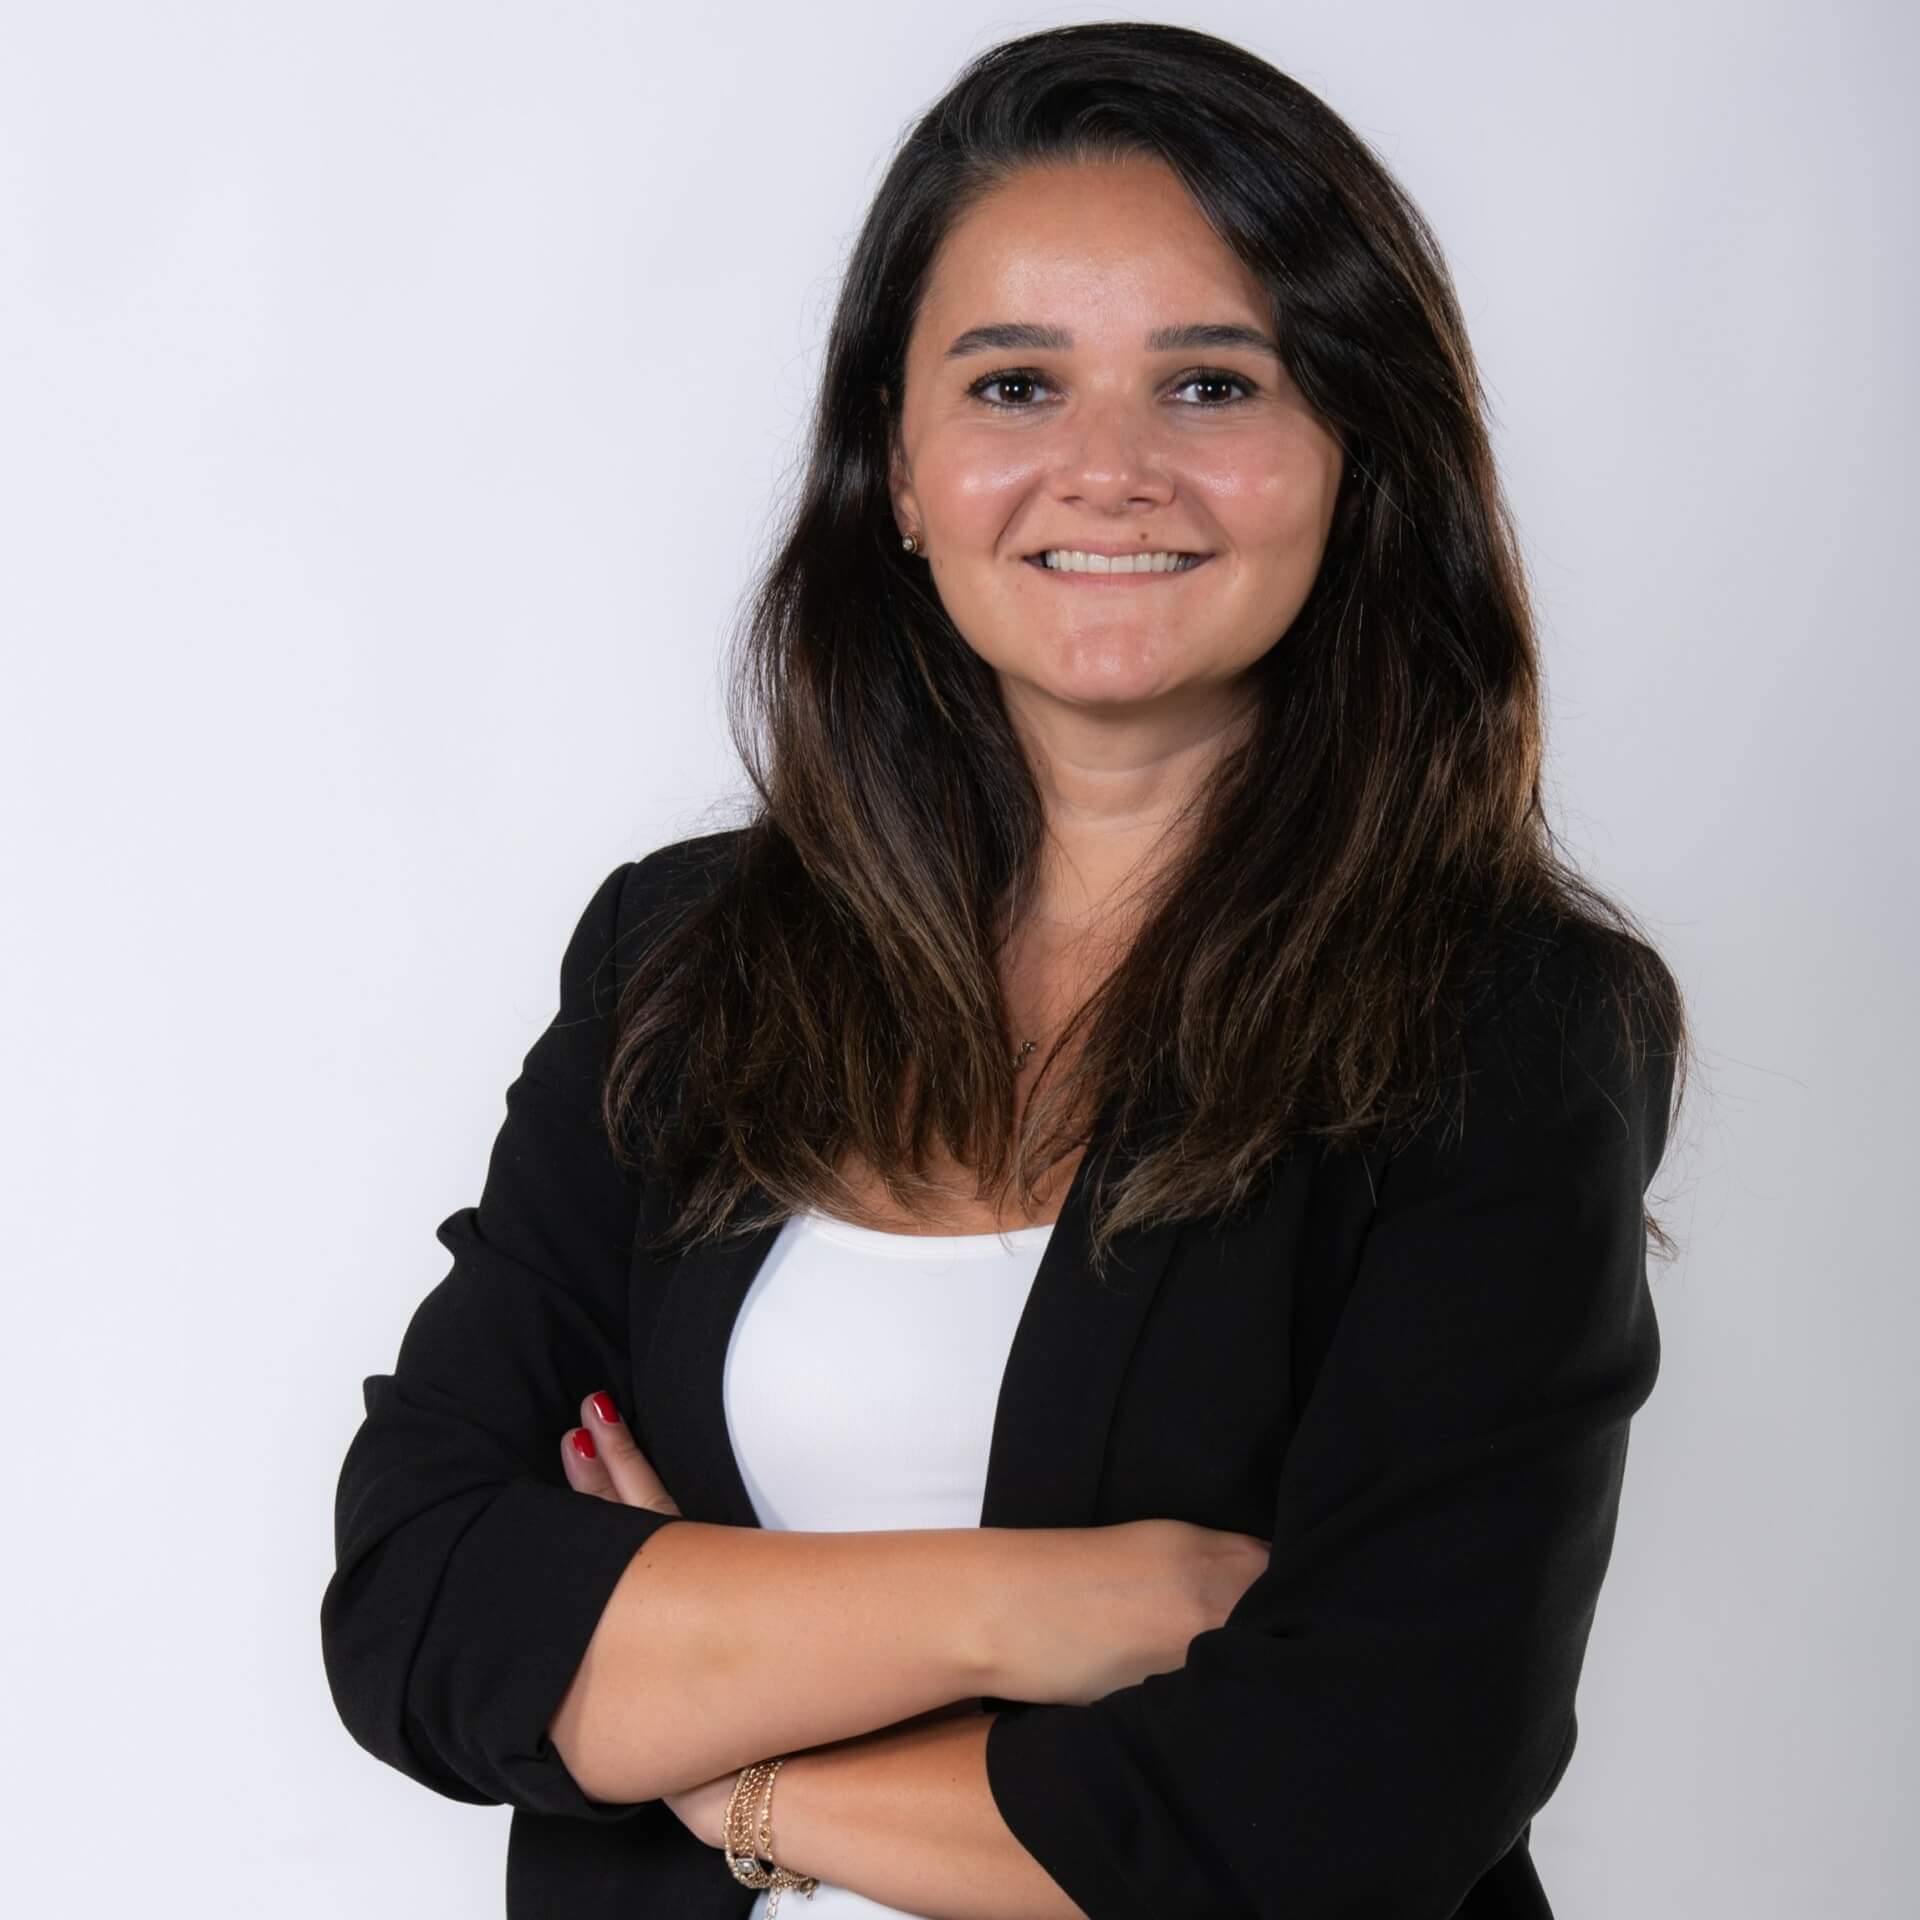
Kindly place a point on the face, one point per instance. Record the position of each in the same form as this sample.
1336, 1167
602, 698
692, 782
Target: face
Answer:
1051, 409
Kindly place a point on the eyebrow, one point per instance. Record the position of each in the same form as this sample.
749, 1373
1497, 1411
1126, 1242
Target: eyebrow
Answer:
1012, 335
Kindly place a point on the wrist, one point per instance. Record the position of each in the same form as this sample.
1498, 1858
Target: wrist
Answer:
755, 1836
1023, 1573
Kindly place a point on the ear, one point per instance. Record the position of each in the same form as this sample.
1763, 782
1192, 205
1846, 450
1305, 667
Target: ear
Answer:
906, 504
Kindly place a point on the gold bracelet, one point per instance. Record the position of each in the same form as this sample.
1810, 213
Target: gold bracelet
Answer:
744, 1850
738, 1842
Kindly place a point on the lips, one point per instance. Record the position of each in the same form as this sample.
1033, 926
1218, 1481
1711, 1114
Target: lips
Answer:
1193, 563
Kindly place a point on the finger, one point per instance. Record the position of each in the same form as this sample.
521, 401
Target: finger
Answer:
633, 1476
586, 1471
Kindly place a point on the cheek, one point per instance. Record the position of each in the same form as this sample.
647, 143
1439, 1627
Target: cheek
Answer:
1267, 496
969, 485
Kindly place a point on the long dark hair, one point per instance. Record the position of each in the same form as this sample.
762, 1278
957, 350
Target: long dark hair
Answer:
1304, 968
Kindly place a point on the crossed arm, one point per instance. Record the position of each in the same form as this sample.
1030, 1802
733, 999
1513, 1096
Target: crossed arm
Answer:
902, 1814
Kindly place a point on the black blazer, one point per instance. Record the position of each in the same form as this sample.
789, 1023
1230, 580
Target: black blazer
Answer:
1413, 1374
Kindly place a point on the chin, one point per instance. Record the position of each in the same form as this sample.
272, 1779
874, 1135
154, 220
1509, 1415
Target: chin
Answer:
1116, 667
1104, 686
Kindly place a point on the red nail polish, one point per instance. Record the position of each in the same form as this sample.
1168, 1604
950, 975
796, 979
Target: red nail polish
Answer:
604, 1408
583, 1443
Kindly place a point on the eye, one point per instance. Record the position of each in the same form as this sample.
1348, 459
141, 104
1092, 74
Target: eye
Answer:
1215, 377
1008, 377
1025, 378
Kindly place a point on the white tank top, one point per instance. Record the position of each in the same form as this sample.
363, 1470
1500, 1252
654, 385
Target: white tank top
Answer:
861, 1382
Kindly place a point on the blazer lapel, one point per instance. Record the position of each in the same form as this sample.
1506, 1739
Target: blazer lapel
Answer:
1064, 1369
684, 1418
1057, 1396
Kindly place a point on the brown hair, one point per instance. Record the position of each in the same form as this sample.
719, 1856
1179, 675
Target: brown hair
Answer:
1304, 969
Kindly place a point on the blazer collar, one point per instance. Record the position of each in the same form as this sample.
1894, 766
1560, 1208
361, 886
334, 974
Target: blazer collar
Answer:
1062, 1380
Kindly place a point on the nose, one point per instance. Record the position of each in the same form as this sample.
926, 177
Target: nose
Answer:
1109, 460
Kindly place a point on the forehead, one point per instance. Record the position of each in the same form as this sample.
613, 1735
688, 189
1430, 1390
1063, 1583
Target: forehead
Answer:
1098, 246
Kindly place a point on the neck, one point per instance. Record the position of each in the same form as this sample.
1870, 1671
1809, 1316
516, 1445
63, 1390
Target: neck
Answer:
1117, 794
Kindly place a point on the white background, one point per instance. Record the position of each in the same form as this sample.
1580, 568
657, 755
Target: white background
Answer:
394, 403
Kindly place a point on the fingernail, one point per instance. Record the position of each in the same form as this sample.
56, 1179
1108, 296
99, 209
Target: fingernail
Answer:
583, 1443
603, 1407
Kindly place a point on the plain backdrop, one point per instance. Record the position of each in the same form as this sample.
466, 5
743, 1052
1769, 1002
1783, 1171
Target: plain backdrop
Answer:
394, 400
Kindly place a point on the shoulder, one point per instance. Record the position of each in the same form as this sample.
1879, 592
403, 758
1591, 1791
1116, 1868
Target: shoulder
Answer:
644, 895
638, 901
1540, 973
1571, 1040
677, 871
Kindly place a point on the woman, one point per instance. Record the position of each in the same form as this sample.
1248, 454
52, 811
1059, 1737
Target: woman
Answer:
1115, 1202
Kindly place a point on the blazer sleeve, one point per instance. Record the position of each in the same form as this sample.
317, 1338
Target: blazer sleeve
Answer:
1392, 1700
469, 1576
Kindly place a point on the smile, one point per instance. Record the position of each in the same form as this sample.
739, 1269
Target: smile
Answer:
1076, 564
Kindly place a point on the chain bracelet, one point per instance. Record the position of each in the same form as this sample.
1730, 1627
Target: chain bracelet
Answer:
744, 1850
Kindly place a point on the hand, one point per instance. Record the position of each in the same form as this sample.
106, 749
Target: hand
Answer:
1088, 1610
602, 1458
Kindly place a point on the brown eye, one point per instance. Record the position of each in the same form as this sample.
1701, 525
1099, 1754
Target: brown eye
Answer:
1217, 380
1013, 381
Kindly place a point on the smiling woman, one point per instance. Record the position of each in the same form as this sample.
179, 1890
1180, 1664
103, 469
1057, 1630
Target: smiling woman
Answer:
1120, 446
1052, 1326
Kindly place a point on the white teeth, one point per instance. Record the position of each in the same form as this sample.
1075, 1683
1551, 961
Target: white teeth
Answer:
1073, 560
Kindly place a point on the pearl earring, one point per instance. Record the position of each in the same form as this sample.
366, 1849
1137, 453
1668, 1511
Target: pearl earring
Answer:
910, 543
